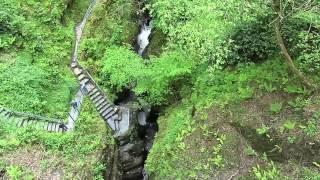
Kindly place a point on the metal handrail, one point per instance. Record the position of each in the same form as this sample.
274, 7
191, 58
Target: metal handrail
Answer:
34, 116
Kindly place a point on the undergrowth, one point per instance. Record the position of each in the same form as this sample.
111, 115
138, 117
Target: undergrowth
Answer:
80, 152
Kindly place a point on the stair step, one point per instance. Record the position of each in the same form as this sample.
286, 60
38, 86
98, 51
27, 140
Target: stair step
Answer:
21, 123
77, 71
104, 108
60, 129
54, 127
93, 91
15, 121
45, 126
98, 99
29, 122
57, 127
7, 114
102, 105
34, 123
73, 65
95, 95
109, 116
49, 126
106, 112
100, 102
90, 87
81, 77
38, 125
84, 81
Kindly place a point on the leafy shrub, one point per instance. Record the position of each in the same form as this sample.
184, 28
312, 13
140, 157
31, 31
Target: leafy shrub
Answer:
38, 80
111, 23
21, 86
122, 67
203, 28
254, 41
309, 51
164, 76
155, 81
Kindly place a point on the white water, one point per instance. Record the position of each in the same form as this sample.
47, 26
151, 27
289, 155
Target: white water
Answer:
143, 38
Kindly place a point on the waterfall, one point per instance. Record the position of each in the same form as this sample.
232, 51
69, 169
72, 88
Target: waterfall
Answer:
143, 37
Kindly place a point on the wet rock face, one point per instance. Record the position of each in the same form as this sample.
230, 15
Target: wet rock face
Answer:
131, 152
134, 146
131, 160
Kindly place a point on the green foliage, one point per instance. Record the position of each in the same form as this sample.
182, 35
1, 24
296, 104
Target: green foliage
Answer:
202, 28
38, 80
276, 107
17, 173
164, 76
221, 88
122, 67
289, 125
21, 84
177, 125
309, 48
29, 87
263, 130
299, 103
250, 151
311, 174
254, 41
218, 158
311, 128
154, 81
269, 173
85, 151
231, 86
112, 23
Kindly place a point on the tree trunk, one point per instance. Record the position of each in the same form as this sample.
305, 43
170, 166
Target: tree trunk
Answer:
284, 51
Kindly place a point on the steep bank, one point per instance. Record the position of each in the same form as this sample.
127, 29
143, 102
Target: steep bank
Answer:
237, 133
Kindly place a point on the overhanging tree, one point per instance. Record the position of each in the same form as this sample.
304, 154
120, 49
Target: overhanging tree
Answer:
306, 8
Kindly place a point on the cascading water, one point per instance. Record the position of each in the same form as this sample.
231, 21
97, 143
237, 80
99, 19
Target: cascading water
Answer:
143, 37
147, 117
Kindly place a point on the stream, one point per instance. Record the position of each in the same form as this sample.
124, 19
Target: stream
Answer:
146, 125
133, 145
143, 37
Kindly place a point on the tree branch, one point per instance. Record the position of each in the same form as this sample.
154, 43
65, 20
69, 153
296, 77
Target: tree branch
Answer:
284, 51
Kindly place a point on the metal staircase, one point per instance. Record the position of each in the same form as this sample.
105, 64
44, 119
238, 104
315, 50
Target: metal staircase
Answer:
20, 119
108, 111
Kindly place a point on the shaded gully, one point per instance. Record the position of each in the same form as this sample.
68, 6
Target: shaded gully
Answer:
133, 149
